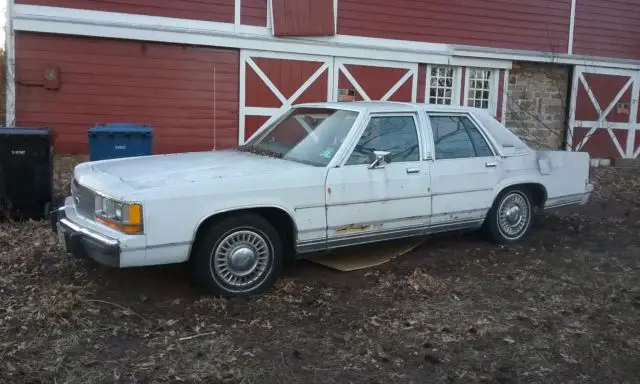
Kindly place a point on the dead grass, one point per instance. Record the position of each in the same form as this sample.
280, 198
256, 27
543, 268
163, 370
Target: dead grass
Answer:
563, 306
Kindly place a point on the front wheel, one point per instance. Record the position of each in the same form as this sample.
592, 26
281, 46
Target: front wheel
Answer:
239, 256
510, 217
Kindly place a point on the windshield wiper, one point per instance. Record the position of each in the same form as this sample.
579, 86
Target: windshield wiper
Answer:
256, 150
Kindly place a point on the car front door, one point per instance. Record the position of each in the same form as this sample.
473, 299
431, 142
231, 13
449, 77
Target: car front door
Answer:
464, 172
391, 200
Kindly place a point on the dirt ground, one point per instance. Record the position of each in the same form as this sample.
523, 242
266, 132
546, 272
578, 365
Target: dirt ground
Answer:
562, 307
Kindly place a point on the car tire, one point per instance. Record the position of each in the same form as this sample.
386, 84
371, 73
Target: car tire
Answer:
238, 256
510, 217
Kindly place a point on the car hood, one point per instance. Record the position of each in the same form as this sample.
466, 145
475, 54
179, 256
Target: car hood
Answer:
168, 170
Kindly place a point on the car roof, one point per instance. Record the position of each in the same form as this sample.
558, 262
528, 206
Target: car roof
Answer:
509, 142
388, 106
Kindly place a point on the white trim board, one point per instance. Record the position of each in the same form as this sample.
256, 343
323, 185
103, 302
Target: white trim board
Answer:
10, 89
572, 23
35, 18
79, 22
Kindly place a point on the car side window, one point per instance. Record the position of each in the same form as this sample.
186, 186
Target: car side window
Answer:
395, 134
456, 137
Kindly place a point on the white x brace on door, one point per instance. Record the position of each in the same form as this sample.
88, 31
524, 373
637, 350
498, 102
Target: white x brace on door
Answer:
613, 94
377, 79
270, 82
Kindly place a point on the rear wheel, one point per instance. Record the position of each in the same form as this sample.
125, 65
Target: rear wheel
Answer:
510, 217
239, 256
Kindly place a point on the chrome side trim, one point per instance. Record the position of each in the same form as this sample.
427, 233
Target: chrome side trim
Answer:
342, 241
309, 246
458, 193
420, 196
456, 225
107, 241
158, 246
374, 237
553, 207
565, 201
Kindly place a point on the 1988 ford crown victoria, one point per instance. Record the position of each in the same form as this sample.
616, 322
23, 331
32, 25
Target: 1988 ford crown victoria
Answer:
321, 176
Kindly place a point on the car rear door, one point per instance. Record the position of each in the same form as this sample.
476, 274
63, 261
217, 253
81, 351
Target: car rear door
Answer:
464, 172
391, 201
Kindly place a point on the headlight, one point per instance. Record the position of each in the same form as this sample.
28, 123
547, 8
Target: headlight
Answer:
125, 217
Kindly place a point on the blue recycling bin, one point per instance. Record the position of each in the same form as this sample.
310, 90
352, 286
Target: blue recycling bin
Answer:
114, 141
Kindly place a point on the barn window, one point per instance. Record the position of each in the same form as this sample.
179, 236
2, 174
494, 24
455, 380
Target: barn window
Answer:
480, 88
441, 84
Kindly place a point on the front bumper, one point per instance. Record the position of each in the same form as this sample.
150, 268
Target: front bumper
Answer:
84, 243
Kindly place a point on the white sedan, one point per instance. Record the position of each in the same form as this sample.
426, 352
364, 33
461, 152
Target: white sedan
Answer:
319, 177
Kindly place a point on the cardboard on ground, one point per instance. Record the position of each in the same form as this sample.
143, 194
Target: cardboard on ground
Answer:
366, 256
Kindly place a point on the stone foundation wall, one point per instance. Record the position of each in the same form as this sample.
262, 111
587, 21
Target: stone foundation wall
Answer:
536, 105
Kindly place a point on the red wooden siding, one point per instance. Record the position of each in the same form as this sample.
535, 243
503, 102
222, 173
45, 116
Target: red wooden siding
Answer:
376, 82
253, 123
599, 143
540, 25
637, 97
303, 18
254, 12
501, 101
604, 88
422, 83
287, 76
209, 10
169, 87
608, 28
463, 90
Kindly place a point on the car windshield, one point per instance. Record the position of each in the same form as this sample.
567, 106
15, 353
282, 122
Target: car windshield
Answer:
305, 135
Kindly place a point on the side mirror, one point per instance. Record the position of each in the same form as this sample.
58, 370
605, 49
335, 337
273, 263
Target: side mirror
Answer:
382, 157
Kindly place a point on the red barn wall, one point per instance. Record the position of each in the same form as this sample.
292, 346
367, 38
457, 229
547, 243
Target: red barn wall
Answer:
169, 87
303, 18
608, 28
540, 25
253, 12
209, 10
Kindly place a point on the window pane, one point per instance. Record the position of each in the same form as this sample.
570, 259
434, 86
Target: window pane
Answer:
481, 146
451, 138
395, 134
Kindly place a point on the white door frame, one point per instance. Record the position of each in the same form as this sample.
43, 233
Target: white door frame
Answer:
247, 61
632, 126
412, 73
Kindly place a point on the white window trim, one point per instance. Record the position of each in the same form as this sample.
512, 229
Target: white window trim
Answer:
457, 84
493, 89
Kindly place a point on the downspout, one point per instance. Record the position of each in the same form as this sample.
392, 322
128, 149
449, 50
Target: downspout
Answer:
10, 84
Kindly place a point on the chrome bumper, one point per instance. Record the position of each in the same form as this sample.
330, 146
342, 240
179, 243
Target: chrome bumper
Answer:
84, 243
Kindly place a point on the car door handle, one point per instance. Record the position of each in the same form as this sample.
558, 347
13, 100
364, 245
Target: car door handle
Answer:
413, 170
491, 164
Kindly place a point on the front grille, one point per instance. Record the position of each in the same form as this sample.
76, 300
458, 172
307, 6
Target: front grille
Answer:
83, 199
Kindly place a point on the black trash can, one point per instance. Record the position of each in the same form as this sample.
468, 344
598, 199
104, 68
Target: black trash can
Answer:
26, 172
